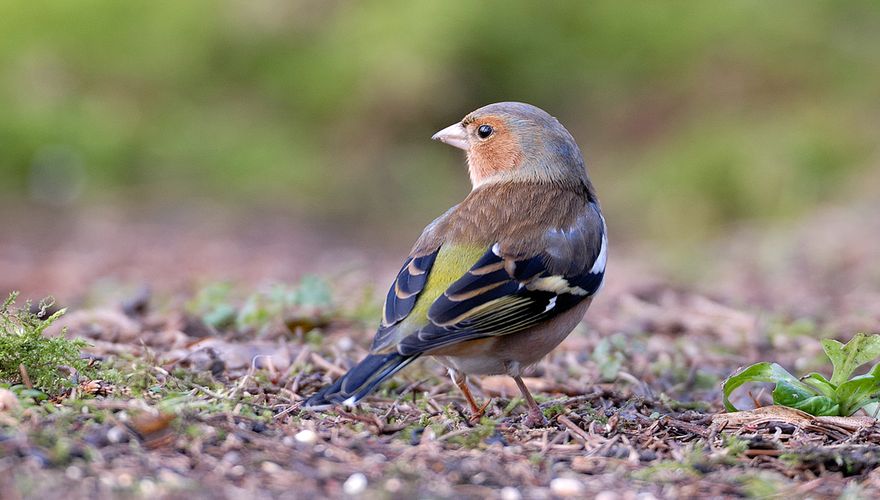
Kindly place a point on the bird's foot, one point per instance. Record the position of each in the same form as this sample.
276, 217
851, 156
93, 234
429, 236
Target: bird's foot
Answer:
535, 418
478, 412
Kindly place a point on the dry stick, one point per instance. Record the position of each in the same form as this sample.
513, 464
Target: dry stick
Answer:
326, 365
452, 434
24, 376
216, 395
768, 453
402, 396
575, 430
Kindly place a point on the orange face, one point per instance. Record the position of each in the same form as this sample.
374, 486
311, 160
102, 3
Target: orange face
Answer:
493, 147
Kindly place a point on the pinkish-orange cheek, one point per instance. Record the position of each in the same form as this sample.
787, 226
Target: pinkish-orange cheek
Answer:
493, 157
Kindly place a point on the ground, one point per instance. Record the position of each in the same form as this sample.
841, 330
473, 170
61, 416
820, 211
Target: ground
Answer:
198, 386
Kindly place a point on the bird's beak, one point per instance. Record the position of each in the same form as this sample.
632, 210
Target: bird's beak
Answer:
454, 135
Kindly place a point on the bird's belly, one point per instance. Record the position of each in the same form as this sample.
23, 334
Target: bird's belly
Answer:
501, 355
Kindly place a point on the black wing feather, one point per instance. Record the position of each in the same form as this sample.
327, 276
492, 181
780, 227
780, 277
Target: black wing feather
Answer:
403, 293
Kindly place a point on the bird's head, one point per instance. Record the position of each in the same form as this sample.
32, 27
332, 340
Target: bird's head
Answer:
513, 141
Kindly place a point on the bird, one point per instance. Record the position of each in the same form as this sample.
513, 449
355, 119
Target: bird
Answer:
500, 279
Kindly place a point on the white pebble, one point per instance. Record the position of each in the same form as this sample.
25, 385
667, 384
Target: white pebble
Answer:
125, 480
345, 344
115, 434
566, 487
270, 467
306, 436
393, 485
355, 484
607, 495
73, 473
147, 488
510, 493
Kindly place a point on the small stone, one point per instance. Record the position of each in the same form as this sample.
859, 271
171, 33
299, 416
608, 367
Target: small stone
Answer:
168, 477
73, 473
231, 457
567, 487
510, 493
147, 488
125, 480
393, 485
355, 484
345, 344
288, 441
270, 467
607, 495
116, 435
8, 400
306, 436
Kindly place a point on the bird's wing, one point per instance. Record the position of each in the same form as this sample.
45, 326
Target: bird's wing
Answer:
503, 292
402, 296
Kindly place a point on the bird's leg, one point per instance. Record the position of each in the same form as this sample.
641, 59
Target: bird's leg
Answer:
476, 410
536, 416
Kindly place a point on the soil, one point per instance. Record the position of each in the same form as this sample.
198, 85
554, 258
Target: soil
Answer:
191, 409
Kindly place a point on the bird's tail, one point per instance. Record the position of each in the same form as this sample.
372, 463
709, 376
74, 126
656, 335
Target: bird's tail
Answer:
360, 380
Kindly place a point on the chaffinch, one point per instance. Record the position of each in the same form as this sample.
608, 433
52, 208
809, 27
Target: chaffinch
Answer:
500, 279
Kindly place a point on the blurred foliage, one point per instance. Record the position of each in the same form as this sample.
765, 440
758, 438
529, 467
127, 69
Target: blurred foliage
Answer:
305, 306
690, 114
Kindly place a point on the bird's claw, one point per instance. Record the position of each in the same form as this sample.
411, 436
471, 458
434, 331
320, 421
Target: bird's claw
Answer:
478, 412
535, 418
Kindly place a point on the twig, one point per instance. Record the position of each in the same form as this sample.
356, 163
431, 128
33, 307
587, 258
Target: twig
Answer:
24, 376
326, 365
215, 395
575, 430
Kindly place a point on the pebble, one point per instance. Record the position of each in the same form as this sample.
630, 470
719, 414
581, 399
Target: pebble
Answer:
510, 493
231, 457
393, 485
8, 400
73, 473
306, 436
567, 487
124, 480
607, 495
115, 435
270, 467
147, 488
355, 484
345, 344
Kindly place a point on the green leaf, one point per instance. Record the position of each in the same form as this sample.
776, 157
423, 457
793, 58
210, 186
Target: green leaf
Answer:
804, 399
821, 384
847, 357
762, 372
859, 391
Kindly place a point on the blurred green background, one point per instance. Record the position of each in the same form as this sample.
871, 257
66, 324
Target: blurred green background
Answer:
692, 115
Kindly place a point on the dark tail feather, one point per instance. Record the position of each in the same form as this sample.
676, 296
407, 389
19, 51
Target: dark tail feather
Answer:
360, 380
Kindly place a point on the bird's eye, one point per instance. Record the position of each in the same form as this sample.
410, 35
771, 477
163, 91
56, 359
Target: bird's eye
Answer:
484, 131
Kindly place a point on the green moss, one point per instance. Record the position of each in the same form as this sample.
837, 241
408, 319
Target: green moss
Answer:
26, 352
761, 484
551, 411
477, 435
